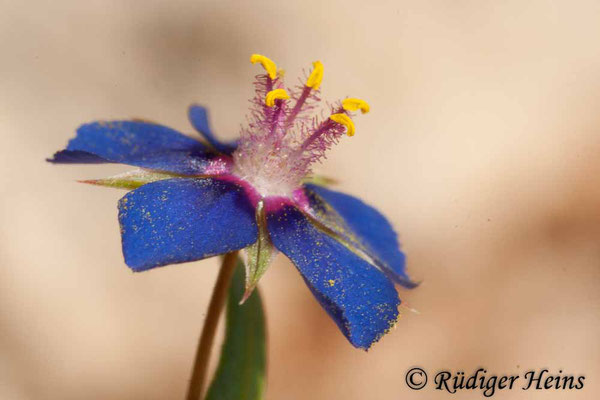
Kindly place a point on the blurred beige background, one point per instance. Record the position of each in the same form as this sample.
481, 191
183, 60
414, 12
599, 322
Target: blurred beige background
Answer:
482, 147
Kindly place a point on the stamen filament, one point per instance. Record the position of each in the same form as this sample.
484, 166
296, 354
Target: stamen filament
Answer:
312, 83
323, 127
298, 106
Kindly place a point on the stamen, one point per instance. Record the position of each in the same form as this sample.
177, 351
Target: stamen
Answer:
316, 76
267, 64
353, 104
312, 83
345, 120
281, 140
277, 94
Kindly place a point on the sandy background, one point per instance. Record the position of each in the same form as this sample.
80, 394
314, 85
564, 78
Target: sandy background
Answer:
482, 147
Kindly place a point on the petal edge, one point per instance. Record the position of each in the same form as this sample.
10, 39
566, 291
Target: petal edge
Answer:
359, 297
137, 143
363, 226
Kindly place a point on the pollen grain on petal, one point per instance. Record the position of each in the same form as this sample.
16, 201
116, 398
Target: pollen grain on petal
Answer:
345, 120
267, 64
316, 76
354, 104
277, 94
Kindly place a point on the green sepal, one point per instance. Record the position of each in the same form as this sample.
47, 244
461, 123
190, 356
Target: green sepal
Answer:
320, 180
130, 180
241, 373
259, 255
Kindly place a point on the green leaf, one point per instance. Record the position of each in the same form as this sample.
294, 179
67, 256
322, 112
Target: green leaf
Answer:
242, 368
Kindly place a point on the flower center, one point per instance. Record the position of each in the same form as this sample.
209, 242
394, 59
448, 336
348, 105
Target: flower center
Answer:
281, 141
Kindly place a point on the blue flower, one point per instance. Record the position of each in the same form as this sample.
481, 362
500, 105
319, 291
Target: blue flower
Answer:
195, 199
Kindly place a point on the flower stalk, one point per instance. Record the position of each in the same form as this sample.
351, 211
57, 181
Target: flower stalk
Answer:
215, 308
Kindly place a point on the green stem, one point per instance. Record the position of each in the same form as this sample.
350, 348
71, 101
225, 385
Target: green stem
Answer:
217, 301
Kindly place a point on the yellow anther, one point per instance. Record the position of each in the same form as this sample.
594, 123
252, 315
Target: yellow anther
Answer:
344, 120
316, 76
352, 104
267, 64
277, 94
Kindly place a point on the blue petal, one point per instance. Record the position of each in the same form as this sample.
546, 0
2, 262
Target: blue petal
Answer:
199, 119
364, 226
184, 219
136, 143
360, 298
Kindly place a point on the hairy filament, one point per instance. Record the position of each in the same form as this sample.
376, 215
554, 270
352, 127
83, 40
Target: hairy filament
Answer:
321, 130
312, 83
298, 106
